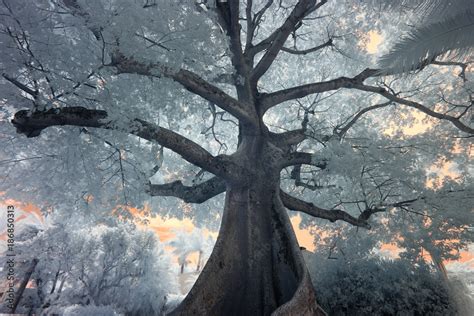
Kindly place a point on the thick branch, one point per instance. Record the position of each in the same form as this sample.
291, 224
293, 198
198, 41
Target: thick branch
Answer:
366, 214
189, 80
309, 50
302, 9
269, 100
296, 175
190, 194
295, 204
228, 13
302, 158
287, 139
32, 123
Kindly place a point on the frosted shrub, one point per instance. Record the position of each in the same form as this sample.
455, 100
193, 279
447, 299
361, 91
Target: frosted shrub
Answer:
379, 287
78, 310
100, 265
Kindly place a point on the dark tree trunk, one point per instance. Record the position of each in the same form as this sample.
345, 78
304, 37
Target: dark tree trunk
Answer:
256, 267
24, 282
55, 281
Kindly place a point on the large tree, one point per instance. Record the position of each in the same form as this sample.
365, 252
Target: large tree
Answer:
281, 92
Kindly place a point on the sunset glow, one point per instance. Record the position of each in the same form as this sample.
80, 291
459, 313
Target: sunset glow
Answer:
166, 228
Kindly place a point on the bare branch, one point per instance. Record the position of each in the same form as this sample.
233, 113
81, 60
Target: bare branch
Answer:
190, 194
269, 100
21, 86
463, 67
252, 25
341, 131
383, 92
250, 49
301, 10
32, 123
295, 204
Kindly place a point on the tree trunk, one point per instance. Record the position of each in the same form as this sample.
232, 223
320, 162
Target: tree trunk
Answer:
438, 262
24, 282
55, 281
256, 267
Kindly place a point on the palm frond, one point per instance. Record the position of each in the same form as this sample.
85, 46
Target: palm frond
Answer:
425, 10
420, 5
451, 36
416, 5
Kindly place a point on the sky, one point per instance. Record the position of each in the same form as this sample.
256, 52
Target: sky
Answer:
165, 229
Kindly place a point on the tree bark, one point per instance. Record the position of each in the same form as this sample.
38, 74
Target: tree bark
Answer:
24, 282
256, 267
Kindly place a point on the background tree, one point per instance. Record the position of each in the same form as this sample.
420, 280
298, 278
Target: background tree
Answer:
285, 96
186, 243
80, 262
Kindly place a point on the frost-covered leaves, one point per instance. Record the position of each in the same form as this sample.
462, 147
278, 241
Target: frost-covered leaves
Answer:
42, 51
379, 287
96, 264
80, 310
49, 47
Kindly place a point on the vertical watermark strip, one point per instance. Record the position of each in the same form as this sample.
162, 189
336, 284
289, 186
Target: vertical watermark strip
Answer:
10, 264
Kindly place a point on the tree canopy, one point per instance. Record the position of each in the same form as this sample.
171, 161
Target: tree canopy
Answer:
146, 69
126, 103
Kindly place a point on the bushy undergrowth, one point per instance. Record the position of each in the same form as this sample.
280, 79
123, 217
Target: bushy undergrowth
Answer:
98, 270
79, 310
379, 287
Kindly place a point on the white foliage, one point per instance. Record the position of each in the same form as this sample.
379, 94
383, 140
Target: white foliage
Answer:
101, 265
96, 171
79, 310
